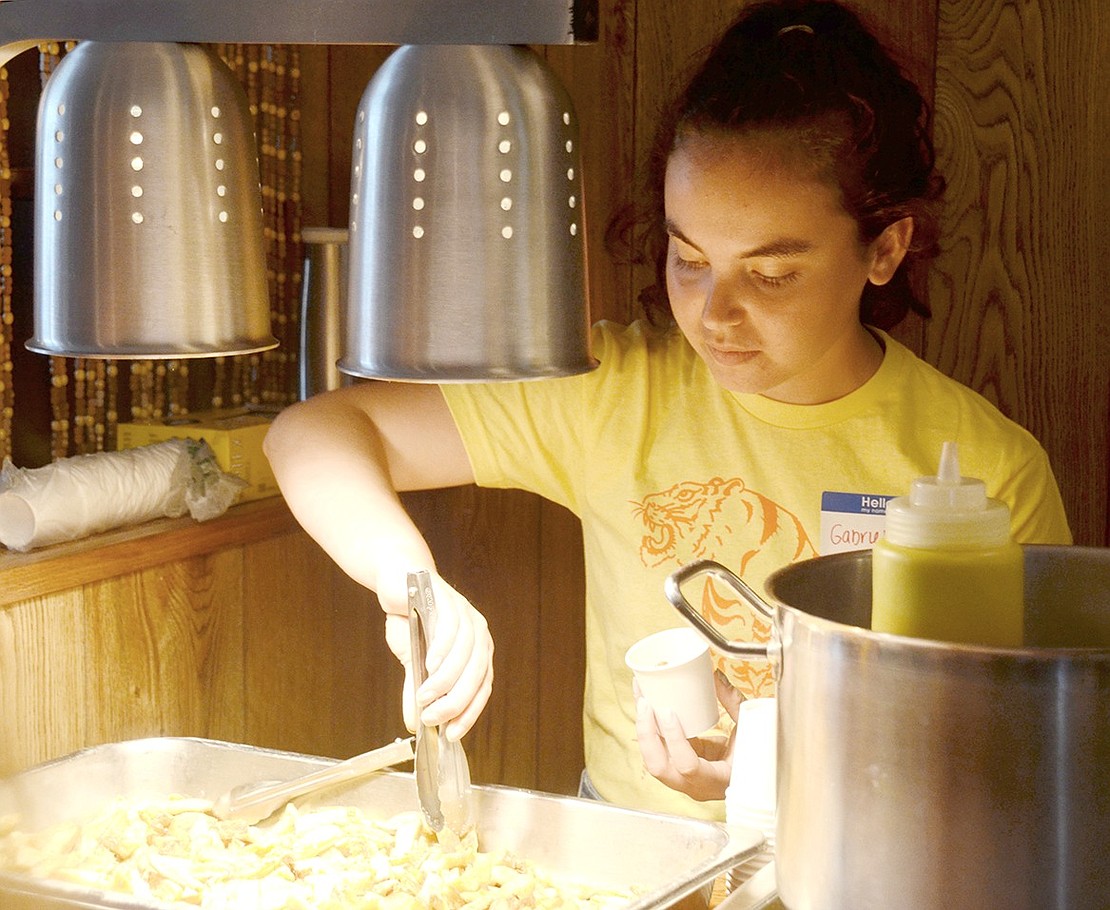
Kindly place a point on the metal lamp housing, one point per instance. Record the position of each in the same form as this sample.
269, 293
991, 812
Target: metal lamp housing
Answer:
148, 209
467, 255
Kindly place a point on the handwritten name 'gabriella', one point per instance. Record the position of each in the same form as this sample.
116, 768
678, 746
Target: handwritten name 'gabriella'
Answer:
842, 535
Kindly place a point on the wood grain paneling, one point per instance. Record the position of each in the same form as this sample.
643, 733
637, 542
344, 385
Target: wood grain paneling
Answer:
601, 79
289, 662
262, 641
164, 651
315, 128
146, 653
487, 543
320, 677
42, 680
1019, 292
561, 668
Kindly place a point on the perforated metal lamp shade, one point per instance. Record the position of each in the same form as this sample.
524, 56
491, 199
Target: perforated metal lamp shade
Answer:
467, 255
148, 210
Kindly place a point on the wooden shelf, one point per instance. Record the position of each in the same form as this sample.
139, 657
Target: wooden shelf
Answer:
69, 565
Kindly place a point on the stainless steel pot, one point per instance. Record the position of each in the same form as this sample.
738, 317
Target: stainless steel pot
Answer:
920, 774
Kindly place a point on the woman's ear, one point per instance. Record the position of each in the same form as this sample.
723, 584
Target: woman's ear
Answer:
889, 249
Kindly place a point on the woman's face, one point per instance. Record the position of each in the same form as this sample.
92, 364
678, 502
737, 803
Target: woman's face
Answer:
765, 270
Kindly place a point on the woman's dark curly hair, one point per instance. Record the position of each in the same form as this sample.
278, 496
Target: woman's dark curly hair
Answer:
812, 70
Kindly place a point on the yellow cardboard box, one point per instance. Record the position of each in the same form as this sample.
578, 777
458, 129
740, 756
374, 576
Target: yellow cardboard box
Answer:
235, 435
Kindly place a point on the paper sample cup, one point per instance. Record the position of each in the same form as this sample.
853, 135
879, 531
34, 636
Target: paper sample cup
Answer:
675, 673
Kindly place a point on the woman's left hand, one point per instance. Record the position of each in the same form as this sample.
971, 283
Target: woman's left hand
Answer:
699, 767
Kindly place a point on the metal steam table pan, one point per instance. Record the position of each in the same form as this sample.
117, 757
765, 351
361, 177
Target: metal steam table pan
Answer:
671, 859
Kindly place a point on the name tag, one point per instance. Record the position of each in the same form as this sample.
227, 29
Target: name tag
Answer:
851, 521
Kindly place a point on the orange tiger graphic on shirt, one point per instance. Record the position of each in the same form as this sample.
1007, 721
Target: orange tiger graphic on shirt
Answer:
724, 520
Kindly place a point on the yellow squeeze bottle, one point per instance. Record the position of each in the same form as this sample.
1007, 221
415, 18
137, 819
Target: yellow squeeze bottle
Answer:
947, 568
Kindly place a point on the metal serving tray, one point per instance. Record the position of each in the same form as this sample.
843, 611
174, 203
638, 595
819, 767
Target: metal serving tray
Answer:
669, 857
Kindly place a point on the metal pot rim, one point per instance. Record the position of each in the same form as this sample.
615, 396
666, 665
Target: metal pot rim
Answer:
777, 608
886, 640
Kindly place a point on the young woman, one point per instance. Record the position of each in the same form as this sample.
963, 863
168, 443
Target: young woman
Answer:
793, 183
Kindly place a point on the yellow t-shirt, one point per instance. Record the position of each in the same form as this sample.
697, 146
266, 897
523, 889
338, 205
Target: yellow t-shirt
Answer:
664, 467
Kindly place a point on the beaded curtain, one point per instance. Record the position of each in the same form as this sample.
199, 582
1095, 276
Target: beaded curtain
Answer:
87, 395
6, 316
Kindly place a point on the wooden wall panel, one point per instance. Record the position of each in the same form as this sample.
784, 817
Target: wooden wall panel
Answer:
487, 543
42, 669
1019, 293
366, 689
561, 669
315, 138
319, 676
601, 79
289, 663
164, 651
150, 653
262, 641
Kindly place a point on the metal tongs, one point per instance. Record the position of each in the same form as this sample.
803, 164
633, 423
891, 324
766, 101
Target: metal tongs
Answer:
442, 773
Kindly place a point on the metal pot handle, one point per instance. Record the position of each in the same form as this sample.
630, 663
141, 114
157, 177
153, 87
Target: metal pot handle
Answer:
673, 589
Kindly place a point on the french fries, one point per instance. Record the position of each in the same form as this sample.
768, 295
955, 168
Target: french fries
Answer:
175, 850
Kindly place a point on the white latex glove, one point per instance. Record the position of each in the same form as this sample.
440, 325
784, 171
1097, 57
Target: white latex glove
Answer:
459, 660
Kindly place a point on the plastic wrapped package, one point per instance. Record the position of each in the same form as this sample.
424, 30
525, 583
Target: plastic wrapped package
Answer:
86, 494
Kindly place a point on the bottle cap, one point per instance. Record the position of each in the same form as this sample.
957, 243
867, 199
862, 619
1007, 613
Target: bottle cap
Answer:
947, 510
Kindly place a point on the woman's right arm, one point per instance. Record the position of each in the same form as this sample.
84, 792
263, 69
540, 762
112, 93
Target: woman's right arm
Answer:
340, 459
